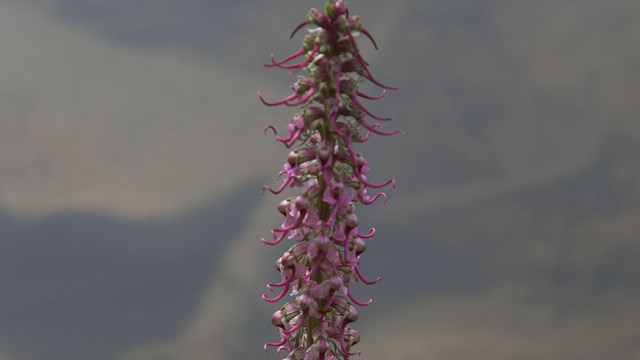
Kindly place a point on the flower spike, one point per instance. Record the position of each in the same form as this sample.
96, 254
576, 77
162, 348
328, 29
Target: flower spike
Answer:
322, 265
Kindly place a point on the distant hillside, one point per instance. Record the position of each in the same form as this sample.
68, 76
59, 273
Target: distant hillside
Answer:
88, 286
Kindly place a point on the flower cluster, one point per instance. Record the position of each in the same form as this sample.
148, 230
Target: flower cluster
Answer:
319, 269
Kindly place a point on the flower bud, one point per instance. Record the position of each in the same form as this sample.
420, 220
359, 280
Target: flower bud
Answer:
361, 163
322, 345
312, 250
345, 45
290, 310
283, 206
354, 337
313, 113
321, 241
354, 23
311, 168
340, 304
292, 158
277, 319
351, 208
297, 354
301, 202
360, 245
286, 260
298, 121
335, 281
339, 8
314, 189
352, 221
319, 18
351, 65
323, 154
352, 314
304, 301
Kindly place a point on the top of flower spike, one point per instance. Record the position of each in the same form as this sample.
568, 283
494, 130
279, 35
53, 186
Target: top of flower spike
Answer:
331, 36
331, 18
336, 8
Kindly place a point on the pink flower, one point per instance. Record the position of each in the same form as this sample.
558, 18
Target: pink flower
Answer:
319, 269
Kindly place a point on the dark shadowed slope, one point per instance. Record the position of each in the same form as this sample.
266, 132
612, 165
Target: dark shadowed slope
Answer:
86, 286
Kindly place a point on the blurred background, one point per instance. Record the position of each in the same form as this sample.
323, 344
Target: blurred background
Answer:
132, 156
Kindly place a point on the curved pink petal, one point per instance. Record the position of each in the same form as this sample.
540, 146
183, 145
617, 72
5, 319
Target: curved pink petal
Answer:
293, 139
367, 34
298, 325
370, 200
300, 26
356, 301
296, 224
301, 100
282, 283
277, 241
373, 129
366, 111
278, 297
343, 346
279, 102
362, 278
372, 232
280, 189
282, 341
376, 97
275, 62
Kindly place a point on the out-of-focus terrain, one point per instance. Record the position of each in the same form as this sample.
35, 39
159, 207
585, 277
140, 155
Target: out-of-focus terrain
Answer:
131, 160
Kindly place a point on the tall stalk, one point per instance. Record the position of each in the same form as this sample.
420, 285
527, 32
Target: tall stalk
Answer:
320, 267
